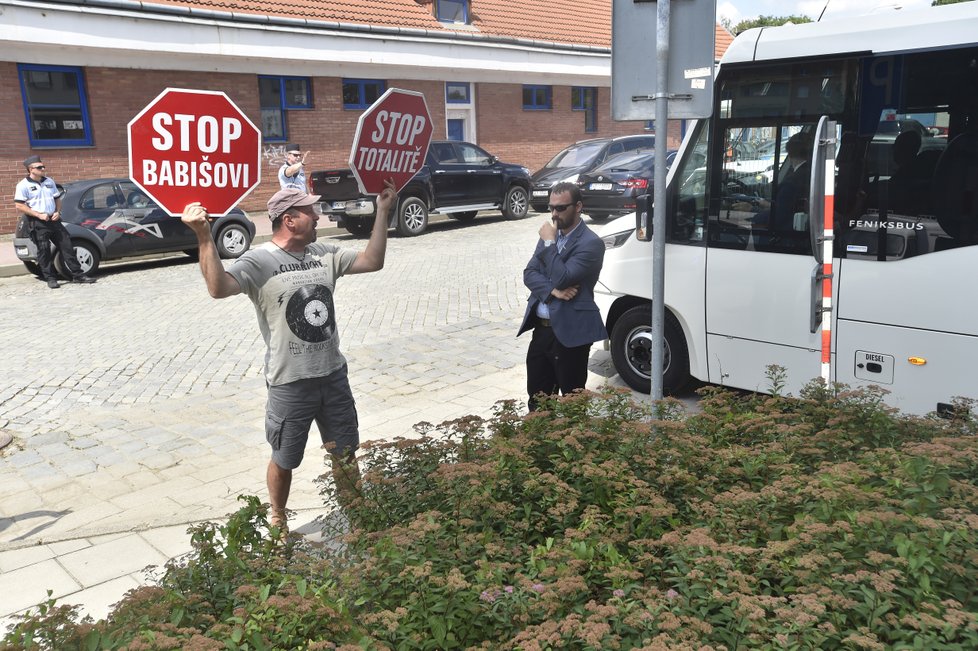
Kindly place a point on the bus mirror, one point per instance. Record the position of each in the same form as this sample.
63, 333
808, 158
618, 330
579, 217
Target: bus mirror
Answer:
643, 218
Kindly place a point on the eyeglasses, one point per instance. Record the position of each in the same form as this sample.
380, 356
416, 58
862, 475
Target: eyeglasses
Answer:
38, 167
294, 153
560, 207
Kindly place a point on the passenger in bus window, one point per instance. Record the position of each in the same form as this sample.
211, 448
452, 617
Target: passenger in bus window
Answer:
792, 186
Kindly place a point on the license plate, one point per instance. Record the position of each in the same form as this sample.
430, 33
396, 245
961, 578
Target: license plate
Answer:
540, 193
600, 186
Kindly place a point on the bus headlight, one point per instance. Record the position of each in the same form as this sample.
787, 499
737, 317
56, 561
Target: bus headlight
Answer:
615, 240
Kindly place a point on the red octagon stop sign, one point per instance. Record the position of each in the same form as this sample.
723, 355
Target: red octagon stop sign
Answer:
391, 141
194, 145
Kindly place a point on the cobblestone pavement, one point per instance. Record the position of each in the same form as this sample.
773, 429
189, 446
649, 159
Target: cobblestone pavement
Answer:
138, 402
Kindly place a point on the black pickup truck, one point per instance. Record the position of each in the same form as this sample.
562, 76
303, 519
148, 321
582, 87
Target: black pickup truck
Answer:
458, 179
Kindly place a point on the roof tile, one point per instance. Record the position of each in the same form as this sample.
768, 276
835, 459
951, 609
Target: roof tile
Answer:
582, 22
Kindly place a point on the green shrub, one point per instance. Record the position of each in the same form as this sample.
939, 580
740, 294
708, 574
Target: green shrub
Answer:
765, 522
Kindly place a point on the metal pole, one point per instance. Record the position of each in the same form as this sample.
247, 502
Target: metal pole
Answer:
659, 196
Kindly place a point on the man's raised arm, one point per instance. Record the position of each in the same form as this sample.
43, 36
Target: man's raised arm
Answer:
220, 284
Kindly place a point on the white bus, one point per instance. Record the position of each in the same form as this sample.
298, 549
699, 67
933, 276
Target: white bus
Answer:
742, 288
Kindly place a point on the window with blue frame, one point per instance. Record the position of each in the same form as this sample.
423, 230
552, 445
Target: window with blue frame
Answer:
361, 93
584, 98
55, 105
458, 92
452, 11
276, 96
537, 98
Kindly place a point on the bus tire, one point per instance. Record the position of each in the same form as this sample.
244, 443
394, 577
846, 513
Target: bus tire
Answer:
631, 351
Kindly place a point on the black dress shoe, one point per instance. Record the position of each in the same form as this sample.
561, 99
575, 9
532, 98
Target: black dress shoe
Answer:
53, 284
83, 279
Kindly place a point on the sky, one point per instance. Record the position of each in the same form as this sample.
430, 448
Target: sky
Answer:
738, 10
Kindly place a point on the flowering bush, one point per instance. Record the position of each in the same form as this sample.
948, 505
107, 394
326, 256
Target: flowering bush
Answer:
764, 522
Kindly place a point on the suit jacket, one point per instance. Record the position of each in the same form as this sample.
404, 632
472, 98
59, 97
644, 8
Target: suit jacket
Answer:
575, 322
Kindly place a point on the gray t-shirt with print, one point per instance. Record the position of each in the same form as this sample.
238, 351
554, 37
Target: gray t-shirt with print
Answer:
293, 299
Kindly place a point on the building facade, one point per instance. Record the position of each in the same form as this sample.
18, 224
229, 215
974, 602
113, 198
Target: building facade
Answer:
522, 80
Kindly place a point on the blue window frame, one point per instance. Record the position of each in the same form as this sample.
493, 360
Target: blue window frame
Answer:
361, 93
55, 105
452, 11
458, 92
537, 98
276, 95
584, 98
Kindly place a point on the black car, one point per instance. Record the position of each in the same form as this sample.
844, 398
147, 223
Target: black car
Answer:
613, 188
579, 158
458, 179
112, 218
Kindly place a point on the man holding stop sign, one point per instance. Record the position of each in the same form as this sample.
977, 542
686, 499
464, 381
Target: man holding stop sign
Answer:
291, 280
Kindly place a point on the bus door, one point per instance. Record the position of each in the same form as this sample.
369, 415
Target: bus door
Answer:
760, 264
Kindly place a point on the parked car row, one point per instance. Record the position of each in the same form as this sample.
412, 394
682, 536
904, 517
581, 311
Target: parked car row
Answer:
580, 158
112, 218
108, 219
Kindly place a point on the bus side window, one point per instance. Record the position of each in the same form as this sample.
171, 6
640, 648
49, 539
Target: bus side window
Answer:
687, 219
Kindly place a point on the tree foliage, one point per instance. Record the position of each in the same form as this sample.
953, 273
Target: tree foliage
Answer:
768, 21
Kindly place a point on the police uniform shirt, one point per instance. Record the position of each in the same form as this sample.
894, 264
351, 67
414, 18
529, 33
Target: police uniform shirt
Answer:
298, 181
38, 195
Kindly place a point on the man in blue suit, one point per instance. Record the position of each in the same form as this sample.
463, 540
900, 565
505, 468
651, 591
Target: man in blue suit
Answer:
561, 310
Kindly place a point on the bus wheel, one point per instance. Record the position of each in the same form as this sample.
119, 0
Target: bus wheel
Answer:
631, 351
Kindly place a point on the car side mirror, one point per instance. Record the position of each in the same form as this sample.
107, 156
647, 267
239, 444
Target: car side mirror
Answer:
643, 218
61, 191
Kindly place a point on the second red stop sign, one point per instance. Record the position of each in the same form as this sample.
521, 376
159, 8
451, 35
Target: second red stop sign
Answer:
391, 141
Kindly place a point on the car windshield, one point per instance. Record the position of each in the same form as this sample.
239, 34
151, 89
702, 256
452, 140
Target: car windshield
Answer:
575, 155
628, 162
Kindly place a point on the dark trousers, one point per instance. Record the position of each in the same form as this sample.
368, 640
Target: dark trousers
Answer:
44, 235
552, 367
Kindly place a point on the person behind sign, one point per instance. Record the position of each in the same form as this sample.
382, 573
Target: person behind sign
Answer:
561, 310
291, 280
37, 196
292, 174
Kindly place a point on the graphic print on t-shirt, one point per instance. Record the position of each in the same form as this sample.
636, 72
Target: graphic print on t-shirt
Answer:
309, 313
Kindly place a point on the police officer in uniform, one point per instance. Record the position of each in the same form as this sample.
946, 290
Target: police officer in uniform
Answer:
37, 196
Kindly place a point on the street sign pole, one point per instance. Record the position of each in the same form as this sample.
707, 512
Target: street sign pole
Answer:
683, 74
659, 207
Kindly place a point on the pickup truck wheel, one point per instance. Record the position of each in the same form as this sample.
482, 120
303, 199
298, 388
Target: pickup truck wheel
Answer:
358, 227
412, 217
517, 203
466, 216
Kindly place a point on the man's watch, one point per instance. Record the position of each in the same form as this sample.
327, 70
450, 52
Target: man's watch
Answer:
547, 243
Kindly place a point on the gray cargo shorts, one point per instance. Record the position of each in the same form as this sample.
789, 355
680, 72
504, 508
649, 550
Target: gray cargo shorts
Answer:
292, 407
